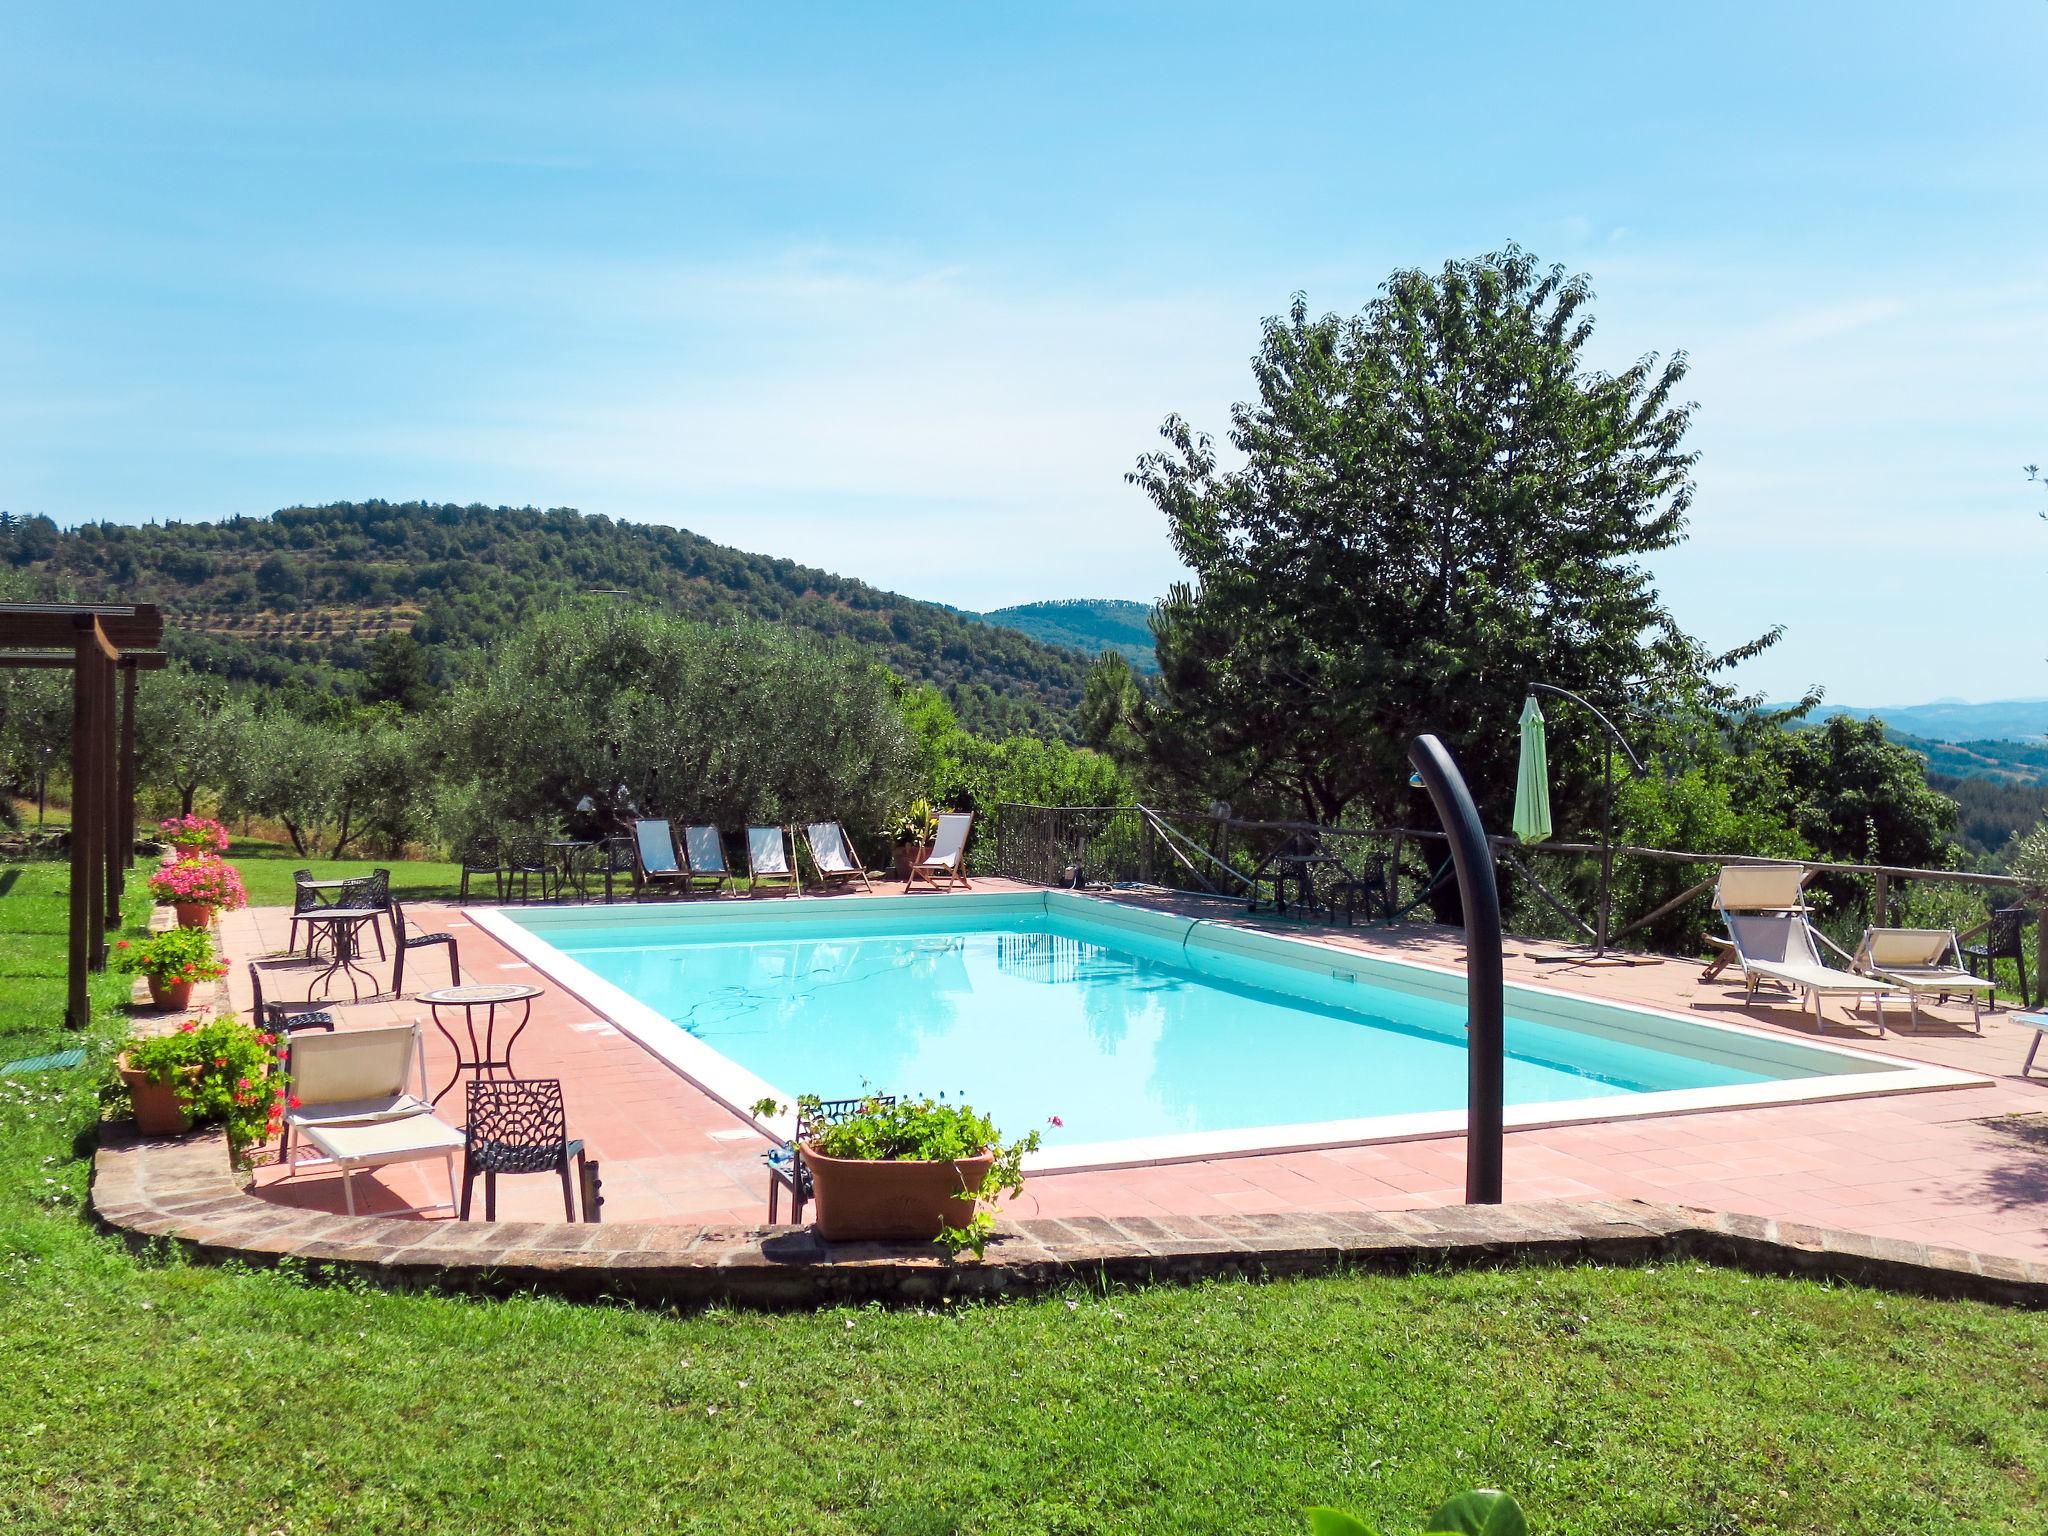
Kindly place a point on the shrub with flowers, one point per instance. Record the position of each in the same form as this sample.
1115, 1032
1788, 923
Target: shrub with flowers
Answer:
173, 956
194, 835
205, 881
240, 1082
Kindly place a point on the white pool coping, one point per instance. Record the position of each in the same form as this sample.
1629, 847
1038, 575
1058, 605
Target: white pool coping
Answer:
738, 1089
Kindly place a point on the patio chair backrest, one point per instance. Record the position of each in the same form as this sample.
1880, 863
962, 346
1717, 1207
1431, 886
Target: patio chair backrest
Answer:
1776, 938
655, 842
1761, 888
810, 1119
370, 893
482, 857
516, 1127
767, 853
949, 842
706, 850
2002, 940
834, 855
354, 1064
1922, 947
304, 897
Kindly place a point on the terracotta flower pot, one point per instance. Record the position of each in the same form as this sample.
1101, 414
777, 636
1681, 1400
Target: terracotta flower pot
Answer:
171, 996
157, 1110
860, 1200
908, 855
193, 914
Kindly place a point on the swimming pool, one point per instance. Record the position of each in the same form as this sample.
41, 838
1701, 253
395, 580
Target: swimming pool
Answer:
1144, 1035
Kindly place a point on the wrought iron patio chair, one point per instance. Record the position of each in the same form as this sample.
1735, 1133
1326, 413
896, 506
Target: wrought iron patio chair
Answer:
786, 1169
2004, 939
483, 857
406, 940
304, 899
520, 1128
526, 860
281, 1017
615, 858
370, 893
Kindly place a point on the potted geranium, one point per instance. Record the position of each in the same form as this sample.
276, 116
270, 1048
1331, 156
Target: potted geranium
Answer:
911, 836
219, 1070
198, 888
920, 1168
172, 962
192, 836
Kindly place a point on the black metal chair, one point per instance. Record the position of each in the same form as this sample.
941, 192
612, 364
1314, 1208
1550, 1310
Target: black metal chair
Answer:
406, 940
482, 858
526, 860
2004, 939
285, 1018
520, 1128
786, 1170
370, 893
304, 900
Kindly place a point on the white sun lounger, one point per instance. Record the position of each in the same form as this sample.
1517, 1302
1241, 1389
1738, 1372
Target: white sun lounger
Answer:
1779, 947
832, 854
362, 1103
946, 864
1922, 961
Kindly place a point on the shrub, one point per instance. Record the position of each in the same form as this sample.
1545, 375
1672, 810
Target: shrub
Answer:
240, 1082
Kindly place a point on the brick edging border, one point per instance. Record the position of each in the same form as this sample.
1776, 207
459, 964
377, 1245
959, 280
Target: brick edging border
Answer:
182, 1190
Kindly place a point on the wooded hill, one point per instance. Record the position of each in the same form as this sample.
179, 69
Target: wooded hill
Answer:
1090, 624
299, 596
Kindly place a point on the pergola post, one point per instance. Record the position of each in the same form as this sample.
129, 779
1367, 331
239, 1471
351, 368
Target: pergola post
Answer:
125, 796
84, 935
102, 646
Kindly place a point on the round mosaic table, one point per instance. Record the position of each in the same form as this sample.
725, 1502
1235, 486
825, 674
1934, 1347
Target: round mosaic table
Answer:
484, 1058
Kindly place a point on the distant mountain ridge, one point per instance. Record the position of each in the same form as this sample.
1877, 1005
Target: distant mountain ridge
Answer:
1954, 720
1090, 624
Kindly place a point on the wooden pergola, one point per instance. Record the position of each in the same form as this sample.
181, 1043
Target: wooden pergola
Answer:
103, 646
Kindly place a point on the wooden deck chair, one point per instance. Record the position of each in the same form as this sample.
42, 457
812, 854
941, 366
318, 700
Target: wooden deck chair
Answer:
832, 855
362, 1102
946, 864
704, 854
655, 862
768, 866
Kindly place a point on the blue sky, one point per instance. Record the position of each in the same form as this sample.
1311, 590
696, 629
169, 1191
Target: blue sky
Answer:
903, 291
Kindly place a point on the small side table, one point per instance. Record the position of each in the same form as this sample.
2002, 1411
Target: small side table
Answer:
341, 925
572, 866
2038, 1023
485, 1058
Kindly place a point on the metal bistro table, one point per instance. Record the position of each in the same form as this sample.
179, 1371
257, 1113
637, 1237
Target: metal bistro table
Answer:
485, 1058
341, 925
329, 892
572, 858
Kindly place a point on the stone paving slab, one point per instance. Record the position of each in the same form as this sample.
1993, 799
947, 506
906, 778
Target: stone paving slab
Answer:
182, 1190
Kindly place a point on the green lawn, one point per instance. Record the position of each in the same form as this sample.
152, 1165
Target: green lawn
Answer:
267, 868
147, 1395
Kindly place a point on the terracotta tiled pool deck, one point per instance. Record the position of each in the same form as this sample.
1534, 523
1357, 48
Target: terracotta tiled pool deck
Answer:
1933, 1167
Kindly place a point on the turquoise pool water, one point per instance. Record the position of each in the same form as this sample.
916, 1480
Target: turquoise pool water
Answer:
1031, 1015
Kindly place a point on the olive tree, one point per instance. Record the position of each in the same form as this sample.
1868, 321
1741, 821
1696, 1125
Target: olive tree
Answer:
643, 710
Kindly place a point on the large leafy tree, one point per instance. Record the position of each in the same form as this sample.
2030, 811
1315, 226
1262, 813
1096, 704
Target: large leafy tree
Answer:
1430, 505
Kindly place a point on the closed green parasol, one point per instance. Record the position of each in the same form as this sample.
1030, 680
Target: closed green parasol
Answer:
1532, 781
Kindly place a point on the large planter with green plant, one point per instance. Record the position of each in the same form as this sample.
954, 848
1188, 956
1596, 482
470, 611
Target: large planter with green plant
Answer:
173, 963
920, 1169
220, 1071
910, 836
